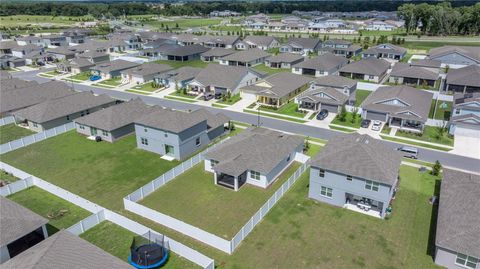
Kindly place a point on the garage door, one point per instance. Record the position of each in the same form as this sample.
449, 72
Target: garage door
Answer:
376, 116
330, 108
462, 131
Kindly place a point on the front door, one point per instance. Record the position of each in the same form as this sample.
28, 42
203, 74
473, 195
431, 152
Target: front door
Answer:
169, 150
93, 131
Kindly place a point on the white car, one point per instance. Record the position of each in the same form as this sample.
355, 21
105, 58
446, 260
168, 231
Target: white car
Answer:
376, 125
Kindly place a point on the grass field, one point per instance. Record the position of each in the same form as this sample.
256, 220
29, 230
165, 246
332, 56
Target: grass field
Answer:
11, 132
84, 76
148, 87
360, 95
32, 20
111, 82
216, 209
59, 213
184, 23
427, 45
262, 68
442, 110
430, 134
348, 121
289, 109
116, 240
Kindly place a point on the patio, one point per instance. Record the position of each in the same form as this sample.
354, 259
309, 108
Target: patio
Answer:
363, 205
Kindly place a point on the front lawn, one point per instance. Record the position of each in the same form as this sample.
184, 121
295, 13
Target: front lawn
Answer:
442, 110
11, 132
430, 134
60, 213
194, 198
84, 76
178, 64
112, 81
360, 95
230, 101
289, 109
262, 68
116, 240
348, 120
147, 87
102, 172
184, 95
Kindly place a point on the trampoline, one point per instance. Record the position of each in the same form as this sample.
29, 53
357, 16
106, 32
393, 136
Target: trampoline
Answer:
148, 251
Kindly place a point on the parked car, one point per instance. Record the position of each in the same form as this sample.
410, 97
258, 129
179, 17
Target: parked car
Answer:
95, 77
322, 114
365, 123
408, 152
376, 125
207, 96
218, 95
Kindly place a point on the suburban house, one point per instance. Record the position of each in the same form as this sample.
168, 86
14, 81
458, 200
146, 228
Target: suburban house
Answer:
31, 39
249, 57
404, 73
9, 83
185, 53
340, 47
176, 134
21, 51
114, 122
64, 249
256, 156
463, 80
261, 42
323, 65
9, 61
227, 42
300, 45
456, 56
74, 37
7, 46
377, 25
385, 51
284, 60
112, 69
20, 229
431, 65
277, 89
127, 41
456, 244
328, 92
215, 54
62, 53
465, 118
401, 107
217, 78
55, 112
369, 69
94, 56
144, 73
160, 52
181, 76
54, 40
75, 66
368, 186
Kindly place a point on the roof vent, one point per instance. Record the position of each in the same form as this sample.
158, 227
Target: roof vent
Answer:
366, 141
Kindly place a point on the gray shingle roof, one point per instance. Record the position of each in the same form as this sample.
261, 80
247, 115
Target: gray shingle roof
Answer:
15, 83
147, 69
65, 250
472, 52
213, 120
305, 43
458, 221
218, 52
285, 58
115, 65
335, 81
406, 70
187, 50
281, 84
221, 75
59, 107
379, 49
460, 98
256, 149
17, 221
246, 55
368, 66
469, 76
360, 156
325, 95
323, 62
427, 63
416, 102
174, 121
181, 74
260, 40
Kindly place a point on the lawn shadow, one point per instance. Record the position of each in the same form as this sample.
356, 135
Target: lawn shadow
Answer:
433, 221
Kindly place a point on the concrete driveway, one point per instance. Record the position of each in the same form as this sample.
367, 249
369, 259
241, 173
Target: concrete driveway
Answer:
322, 123
467, 144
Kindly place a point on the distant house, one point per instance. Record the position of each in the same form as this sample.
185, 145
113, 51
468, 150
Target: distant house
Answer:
20, 229
376, 25
328, 92
323, 65
75, 37
176, 134
249, 57
95, 56
54, 40
181, 76
127, 41
222, 79
257, 156
277, 89
284, 60
55, 112
407, 74
21, 51
112, 69
456, 244
227, 42
465, 118
340, 47
302, 46
75, 66
456, 56
463, 80
160, 52
185, 53
144, 73
9, 61
431, 65
369, 69
368, 186
215, 54
401, 107
62, 53
385, 51
25, 40
114, 122
260, 42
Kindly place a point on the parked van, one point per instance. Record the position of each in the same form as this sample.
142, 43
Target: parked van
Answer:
409, 152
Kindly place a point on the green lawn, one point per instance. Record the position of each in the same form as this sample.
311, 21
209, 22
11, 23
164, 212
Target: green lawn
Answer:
178, 64
185, 23
116, 240
233, 99
443, 110
360, 95
289, 109
406, 58
12, 132
84, 76
59, 213
179, 99
134, 91
430, 134
275, 116
103, 172
348, 121
427, 45
184, 95
111, 82
313, 150
214, 208
341, 129
52, 73
262, 68
148, 87
420, 144
31, 20
7, 177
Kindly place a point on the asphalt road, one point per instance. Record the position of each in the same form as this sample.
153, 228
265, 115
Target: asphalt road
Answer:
446, 159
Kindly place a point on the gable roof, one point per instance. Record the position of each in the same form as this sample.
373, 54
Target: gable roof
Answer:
335, 81
458, 226
17, 221
323, 62
221, 75
368, 66
460, 98
305, 43
256, 149
64, 250
406, 70
263, 41
465, 76
472, 52
15, 83
186, 50
390, 48
174, 121
285, 58
147, 69
213, 120
325, 95
218, 52
246, 55
360, 156
181, 74
280, 84
427, 63
115, 65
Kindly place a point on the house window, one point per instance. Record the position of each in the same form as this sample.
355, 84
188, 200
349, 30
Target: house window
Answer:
370, 185
35, 124
288, 158
81, 114
104, 133
327, 192
371, 77
81, 127
197, 141
145, 130
144, 141
254, 175
166, 135
321, 173
213, 163
457, 111
68, 117
466, 261
349, 178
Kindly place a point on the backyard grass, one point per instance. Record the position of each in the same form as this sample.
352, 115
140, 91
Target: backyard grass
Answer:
7, 178
348, 121
360, 95
274, 116
11, 132
178, 64
59, 213
414, 143
103, 172
116, 240
430, 134
313, 149
262, 68
289, 109
214, 208
441, 110
230, 101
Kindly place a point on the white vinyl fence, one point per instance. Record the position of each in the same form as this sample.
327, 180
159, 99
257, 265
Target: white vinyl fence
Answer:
87, 223
28, 140
7, 120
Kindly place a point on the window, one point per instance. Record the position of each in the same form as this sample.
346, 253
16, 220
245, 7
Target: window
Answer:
197, 141
145, 130
35, 124
370, 185
213, 163
371, 77
466, 261
254, 175
457, 111
288, 158
81, 127
144, 141
349, 178
327, 192
321, 173
68, 117
104, 133
166, 135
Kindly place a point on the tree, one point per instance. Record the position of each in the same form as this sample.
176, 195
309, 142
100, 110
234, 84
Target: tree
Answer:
436, 168
176, 25
354, 115
343, 114
306, 145
407, 13
447, 68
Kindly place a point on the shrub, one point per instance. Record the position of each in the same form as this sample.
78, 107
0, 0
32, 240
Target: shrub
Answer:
436, 168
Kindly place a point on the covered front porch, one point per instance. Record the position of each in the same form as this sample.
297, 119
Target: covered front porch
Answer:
406, 124
229, 181
310, 105
269, 101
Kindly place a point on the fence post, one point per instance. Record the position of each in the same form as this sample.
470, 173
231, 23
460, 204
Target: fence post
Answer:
9, 146
141, 193
55, 131
64, 128
81, 226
